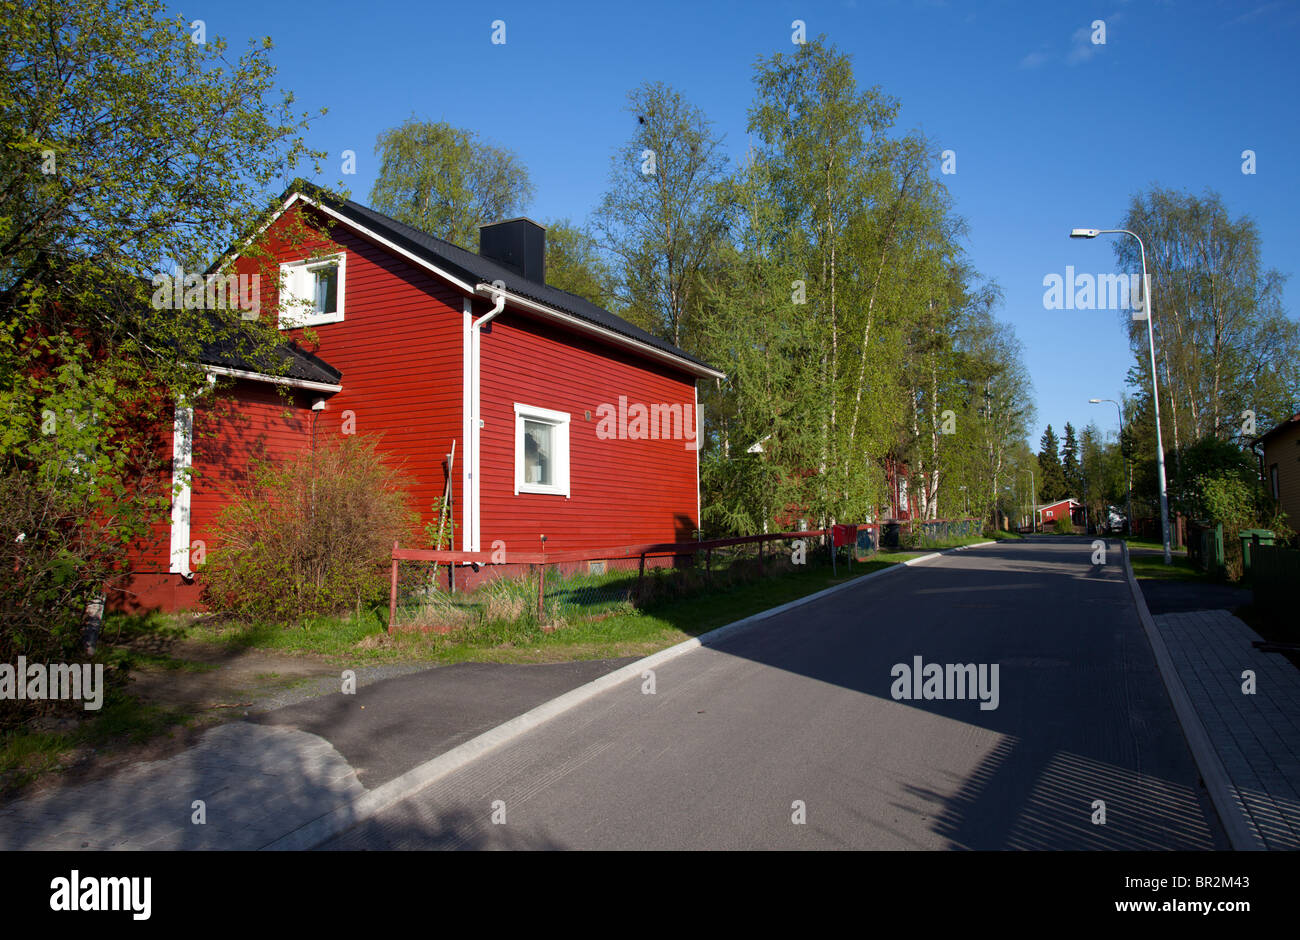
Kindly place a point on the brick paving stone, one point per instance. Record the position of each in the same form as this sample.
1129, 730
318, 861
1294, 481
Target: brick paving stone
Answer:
1256, 736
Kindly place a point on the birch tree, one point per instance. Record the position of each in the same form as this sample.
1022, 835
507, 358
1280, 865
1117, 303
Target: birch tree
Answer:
664, 210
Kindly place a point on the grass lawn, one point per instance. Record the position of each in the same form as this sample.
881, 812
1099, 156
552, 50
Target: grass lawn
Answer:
28, 753
1153, 567
616, 630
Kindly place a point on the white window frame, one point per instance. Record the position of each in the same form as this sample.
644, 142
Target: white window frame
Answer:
559, 420
295, 285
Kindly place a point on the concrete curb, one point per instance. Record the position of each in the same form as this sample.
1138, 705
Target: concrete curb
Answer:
1217, 782
326, 827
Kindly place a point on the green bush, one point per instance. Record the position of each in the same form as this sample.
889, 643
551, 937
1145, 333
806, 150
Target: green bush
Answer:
1064, 526
1239, 504
309, 535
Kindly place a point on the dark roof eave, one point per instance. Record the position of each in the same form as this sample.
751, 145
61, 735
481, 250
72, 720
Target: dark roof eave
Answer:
475, 270
1273, 432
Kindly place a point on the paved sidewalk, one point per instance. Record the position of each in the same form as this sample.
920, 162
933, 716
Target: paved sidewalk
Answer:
257, 783
278, 770
1257, 737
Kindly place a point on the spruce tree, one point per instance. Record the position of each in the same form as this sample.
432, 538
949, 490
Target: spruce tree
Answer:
1051, 477
1070, 463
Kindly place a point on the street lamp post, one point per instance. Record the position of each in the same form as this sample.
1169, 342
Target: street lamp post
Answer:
1128, 472
1033, 503
1155, 389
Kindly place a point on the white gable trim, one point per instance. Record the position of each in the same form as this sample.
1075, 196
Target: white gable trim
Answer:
275, 379
559, 316
375, 236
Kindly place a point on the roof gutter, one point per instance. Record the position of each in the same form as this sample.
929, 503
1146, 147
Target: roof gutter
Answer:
605, 333
275, 379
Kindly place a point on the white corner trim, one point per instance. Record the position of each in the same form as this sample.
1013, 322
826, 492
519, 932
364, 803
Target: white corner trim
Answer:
699, 507
182, 458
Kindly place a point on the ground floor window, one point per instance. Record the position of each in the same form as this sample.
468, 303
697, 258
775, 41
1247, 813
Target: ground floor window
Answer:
541, 450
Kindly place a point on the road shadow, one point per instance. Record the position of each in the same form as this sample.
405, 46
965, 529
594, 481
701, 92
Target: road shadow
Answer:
1083, 714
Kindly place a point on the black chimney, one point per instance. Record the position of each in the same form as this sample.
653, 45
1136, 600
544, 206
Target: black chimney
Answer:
518, 244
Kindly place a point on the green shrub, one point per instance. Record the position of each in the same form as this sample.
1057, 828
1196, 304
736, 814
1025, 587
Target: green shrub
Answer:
309, 535
1064, 526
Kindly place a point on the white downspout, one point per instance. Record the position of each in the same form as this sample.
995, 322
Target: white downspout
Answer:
476, 398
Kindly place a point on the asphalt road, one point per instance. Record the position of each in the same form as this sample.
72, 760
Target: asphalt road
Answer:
798, 711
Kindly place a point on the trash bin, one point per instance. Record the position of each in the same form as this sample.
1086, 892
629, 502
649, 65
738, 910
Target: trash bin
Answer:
867, 543
1253, 537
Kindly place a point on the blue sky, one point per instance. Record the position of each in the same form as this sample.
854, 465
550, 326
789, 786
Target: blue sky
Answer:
1050, 130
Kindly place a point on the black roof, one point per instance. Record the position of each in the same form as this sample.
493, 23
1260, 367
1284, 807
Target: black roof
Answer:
287, 359
475, 269
1294, 419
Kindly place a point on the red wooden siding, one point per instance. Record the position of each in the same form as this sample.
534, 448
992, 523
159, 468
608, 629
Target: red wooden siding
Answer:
250, 422
622, 491
399, 349
240, 421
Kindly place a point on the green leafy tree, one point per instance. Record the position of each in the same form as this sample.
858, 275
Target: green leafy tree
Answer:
574, 263
861, 336
1207, 459
1101, 472
758, 445
1224, 343
126, 152
447, 181
822, 141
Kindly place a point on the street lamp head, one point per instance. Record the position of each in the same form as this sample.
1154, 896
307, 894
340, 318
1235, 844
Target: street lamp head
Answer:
1094, 401
1084, 232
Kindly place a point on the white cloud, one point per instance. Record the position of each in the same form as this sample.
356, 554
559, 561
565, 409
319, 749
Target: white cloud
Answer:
1081, 47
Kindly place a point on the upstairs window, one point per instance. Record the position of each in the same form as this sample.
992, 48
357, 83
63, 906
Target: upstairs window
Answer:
311, 292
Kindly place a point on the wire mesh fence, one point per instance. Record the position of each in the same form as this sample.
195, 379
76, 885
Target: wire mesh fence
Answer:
447, 591
928, 533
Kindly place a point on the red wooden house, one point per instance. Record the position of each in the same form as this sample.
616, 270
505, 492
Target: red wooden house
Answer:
1070, 510
568, 421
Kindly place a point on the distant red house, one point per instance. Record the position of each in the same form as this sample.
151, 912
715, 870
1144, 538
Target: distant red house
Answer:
898, 480
568, 421
896, 507
1070, 509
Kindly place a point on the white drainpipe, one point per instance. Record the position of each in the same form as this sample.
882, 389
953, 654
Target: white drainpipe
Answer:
476, 420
